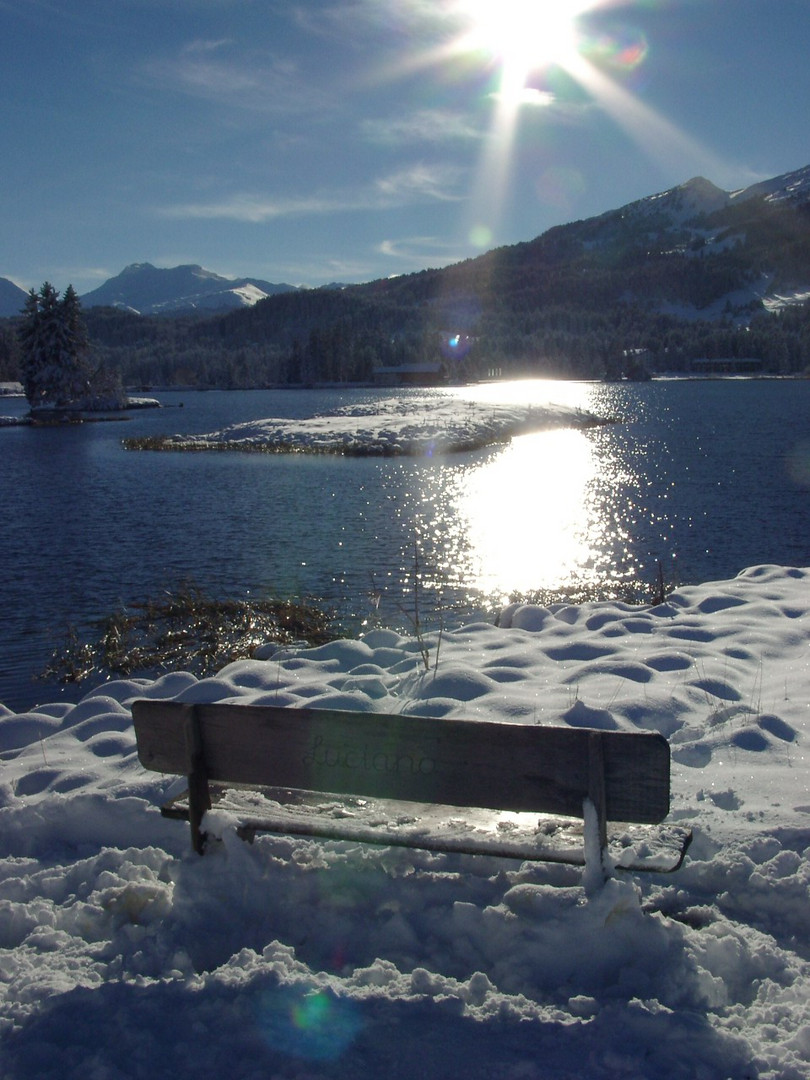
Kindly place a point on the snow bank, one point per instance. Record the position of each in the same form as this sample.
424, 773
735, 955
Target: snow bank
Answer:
423, 426
125, 955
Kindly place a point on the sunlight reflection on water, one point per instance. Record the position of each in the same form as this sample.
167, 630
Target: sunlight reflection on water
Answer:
531, 515
526, 513
527, 392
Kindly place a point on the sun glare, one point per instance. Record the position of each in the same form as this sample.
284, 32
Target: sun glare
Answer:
526, 514
520, 40
521, 35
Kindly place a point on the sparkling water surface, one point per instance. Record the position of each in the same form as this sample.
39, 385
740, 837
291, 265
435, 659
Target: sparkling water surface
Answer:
704, 477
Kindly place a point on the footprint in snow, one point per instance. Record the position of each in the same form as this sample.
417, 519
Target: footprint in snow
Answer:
693, 755
723, 800
689, 633
750, 739
717, 688
713, 604
579, 650
581, 715
669, 662
778, 727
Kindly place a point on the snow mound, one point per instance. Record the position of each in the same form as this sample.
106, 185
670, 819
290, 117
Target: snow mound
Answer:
125, 955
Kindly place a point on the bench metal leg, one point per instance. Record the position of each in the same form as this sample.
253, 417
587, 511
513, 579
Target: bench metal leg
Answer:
596, 796
199, 797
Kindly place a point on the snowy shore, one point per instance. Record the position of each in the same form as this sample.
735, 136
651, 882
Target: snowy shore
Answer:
55, 415
125, 955
400, 426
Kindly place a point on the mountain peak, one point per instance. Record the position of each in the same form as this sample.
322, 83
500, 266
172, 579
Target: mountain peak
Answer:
151, 290
12, 298
689, 200
700, 187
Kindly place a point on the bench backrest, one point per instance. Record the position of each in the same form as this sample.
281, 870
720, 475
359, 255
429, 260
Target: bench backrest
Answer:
418, 759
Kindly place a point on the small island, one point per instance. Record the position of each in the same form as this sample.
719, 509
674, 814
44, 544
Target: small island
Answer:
59, 377
415, 427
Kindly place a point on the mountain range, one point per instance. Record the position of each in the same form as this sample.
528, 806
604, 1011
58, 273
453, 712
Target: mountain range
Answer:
677, 274
695, 221
149, 290
694, 251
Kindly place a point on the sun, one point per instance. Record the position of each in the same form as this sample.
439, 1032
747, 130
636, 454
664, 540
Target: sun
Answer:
520, 39
521, 36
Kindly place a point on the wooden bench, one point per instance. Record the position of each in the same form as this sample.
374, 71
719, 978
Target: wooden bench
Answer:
474, 787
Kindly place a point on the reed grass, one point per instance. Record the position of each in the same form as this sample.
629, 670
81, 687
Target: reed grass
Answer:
635, 591
185, 630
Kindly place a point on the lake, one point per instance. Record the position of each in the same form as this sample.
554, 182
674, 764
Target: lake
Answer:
704, 477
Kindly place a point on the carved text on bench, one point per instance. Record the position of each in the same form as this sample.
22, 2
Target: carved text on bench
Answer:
346, 756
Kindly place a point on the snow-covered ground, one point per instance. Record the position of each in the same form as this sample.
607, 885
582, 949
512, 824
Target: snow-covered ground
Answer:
123, 955
779, 301
399, 425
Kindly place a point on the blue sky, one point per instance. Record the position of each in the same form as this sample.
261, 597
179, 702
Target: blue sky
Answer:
345, 140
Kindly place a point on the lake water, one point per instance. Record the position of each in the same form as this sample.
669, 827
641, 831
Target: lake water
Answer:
705, 477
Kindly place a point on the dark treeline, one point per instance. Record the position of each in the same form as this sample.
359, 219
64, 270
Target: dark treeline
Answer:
341, 338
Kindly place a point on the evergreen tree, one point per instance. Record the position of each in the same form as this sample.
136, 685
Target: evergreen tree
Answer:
54, 366
9, 354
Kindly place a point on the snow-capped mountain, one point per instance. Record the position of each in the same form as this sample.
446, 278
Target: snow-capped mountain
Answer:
693, 251
149, 290
699, 197
12, 298
789, 186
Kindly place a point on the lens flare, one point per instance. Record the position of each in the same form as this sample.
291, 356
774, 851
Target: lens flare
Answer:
620, 51
480, 236
524, 41
305, 1023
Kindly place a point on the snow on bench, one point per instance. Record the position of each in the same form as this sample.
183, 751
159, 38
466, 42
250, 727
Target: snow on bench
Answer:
448, 785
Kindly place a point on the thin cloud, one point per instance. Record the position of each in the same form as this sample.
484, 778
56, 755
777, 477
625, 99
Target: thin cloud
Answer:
254, 209
350, 18
422, 250
417, 184
217, 71
203, 46
82, 273
324, 267
427, 125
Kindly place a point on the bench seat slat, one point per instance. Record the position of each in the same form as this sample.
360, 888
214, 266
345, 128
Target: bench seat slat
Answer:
453, 762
